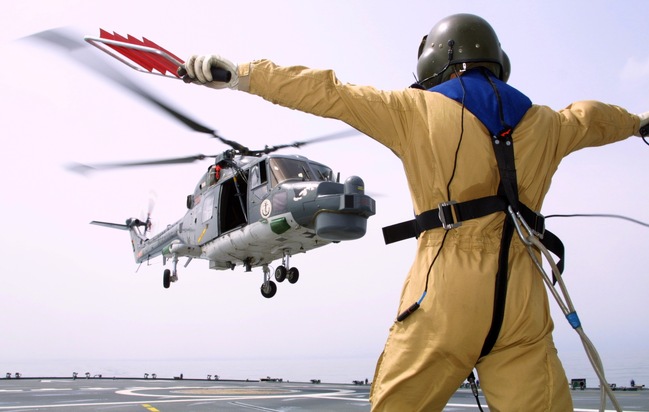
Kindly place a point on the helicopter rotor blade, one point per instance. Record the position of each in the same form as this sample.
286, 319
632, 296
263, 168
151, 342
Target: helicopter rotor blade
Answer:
298, 144
77, 51
84, 169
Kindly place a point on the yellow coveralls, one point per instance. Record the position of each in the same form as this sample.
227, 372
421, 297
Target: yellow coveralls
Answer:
431, 353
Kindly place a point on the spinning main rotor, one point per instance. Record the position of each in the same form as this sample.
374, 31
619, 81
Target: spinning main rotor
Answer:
78, 50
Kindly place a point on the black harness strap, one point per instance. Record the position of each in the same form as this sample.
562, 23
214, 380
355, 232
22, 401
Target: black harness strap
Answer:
500, 288
503, 146
451, 214
456, 213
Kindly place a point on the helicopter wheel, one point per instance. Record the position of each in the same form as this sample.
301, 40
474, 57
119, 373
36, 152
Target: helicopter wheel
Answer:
166, 279
280, 273
268, 289
293, 275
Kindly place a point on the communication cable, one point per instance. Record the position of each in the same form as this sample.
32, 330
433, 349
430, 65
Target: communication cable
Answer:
412, 308
600, 215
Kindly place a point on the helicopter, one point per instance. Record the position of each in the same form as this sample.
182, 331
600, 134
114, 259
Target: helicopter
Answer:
253, 210
249, 208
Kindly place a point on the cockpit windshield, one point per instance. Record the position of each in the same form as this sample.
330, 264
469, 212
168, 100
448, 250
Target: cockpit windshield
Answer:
283, 169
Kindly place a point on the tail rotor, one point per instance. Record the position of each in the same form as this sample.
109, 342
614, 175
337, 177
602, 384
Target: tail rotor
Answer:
147, 224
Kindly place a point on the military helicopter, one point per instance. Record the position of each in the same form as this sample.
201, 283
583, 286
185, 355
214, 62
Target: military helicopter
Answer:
250, 208
255, 209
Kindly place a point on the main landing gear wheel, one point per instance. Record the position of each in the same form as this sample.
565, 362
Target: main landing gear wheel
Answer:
166, 279
293, 275
268, 289
280, 273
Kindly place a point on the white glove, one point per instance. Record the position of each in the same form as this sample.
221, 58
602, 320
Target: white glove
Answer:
644, 120
199, 69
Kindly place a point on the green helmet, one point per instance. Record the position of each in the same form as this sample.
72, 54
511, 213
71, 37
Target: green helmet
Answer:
457, 39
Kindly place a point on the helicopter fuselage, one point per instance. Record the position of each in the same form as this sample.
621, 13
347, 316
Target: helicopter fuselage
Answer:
258, 209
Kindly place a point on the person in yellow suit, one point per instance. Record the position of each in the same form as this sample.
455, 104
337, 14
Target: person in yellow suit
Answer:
447, 131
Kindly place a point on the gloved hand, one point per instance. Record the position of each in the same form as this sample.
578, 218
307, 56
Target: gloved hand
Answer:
644, 120
198, 68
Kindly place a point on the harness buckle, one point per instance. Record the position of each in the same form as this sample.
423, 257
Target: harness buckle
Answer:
448, 214
538, 228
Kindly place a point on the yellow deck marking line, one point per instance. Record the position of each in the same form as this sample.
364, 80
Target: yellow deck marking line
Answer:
151, 408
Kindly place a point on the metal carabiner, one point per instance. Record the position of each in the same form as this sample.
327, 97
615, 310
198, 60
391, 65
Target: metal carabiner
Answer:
519, 224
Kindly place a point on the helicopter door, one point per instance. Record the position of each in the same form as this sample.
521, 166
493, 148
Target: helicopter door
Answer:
258, 184
233, 203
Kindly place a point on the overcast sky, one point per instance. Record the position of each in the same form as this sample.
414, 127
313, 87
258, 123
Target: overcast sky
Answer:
70, 290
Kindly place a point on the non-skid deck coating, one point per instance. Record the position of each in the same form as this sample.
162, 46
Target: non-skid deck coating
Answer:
142, 395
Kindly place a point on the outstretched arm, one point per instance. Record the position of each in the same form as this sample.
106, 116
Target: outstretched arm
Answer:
384, 115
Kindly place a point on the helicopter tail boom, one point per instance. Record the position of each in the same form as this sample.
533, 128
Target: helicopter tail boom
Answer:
143, 247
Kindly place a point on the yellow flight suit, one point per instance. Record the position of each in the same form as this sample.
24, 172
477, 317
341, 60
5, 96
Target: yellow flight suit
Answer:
431, 353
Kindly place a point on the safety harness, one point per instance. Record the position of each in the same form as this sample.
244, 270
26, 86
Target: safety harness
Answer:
500, 108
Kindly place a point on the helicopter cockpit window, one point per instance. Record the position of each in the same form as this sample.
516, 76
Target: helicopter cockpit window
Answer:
258, 180
322, 172
210, 176
283, 169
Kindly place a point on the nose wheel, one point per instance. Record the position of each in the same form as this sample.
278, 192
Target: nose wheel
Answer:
268, 288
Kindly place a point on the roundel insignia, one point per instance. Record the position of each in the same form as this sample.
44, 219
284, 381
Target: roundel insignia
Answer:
266, 208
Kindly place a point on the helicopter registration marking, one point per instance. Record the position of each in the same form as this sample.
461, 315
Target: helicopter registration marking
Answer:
266, 208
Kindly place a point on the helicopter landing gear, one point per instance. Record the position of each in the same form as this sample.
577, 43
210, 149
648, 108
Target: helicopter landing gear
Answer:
168, 276
166, 279
293, 275
281, 273
268, 288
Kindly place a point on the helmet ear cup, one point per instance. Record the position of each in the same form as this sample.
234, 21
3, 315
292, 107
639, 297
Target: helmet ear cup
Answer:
505, 67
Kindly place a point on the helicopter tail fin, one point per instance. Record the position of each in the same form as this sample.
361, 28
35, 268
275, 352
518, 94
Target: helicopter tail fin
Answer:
110, 225
132, 225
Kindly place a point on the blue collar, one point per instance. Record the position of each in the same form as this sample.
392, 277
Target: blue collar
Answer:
481, 99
